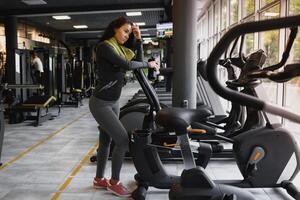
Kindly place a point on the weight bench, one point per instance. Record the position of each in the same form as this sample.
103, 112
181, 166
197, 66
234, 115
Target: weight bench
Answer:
40, 106
75, 98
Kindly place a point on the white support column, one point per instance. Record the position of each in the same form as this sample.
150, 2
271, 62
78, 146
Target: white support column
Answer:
185, 53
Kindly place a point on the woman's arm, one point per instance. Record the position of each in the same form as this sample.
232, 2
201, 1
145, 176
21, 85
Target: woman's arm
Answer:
139, 50
107, 52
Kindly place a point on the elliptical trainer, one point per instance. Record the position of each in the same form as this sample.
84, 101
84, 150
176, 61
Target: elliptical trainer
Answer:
259, 153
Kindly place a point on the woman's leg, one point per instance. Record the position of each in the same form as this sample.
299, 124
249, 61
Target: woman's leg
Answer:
106, 114
121, 145
103, 152
98, 110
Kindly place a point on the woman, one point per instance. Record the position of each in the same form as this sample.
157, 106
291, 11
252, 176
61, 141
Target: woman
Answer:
112, 61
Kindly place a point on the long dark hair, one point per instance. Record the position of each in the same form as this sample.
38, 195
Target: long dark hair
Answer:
115, 24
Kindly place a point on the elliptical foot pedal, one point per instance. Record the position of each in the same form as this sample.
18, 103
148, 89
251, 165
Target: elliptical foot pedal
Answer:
217, 148
230, 197
225, 197
93, 158
140, 192
291, 189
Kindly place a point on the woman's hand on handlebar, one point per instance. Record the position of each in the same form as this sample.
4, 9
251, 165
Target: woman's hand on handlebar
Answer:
154, 65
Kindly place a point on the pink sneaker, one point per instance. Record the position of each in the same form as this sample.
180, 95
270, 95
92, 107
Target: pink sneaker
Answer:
119, 190
100, 183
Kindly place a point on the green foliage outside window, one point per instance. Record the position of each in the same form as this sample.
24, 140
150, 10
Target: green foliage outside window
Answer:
270, 39
296, 49
249, 43
234, 11
249, 7
294, 9
216, 12
271, 46
266, 2
224, 14
293, 86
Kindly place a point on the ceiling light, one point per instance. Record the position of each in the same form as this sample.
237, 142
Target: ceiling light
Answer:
133, 13
34, 2
140, 23
80, 26
145, 34
163, 26
61, 17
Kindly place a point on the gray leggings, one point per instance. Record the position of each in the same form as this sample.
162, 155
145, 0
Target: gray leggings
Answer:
106, 113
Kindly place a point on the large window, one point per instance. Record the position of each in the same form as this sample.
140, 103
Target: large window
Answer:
292, 94
204, 49
296, 49
227, 13
270, 39
249, 39
217, 19
294, 9
248, 7
210, 45
211, 29
204, 38
224, 14
234, 11
271, 91
266, 2
295, 52
269, 42
249, 43
216, 22
210, 22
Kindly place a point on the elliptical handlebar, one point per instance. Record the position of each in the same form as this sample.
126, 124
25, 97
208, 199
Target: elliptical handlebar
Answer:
290, 71
286, 53
226, 62
234, 96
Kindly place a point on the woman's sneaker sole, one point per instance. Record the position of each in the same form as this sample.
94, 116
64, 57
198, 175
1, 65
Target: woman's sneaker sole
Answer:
95, 184
115, 193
